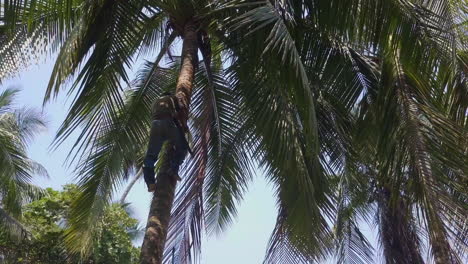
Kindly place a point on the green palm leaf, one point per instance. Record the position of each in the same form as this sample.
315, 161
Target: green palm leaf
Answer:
17, 128
113, 154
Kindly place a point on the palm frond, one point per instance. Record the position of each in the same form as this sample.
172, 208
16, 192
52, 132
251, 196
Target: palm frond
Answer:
212, 110
288, 247
115, 143
423, 163
280, 43
6, 99
31, 29
355, 193
18, 50
17, 128
15, 228
354, 247
99, 91
412, 147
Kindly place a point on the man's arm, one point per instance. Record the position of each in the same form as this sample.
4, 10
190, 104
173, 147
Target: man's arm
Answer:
179, 115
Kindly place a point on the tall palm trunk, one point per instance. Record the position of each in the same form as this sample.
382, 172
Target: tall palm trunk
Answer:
399, 239
160, 210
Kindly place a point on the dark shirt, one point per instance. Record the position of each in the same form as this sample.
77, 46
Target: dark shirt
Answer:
165, 107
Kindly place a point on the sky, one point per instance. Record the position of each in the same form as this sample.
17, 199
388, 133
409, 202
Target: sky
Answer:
244, 242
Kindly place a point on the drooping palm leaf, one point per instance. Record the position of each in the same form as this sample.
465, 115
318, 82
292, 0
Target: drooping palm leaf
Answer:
17, 128
116, 142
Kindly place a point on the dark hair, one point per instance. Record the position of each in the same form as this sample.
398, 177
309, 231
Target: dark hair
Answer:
166, 93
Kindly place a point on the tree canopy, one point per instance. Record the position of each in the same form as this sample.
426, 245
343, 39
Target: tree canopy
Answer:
355, 110
46, 220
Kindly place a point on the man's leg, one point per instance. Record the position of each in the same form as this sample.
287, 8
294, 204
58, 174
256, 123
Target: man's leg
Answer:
156, 140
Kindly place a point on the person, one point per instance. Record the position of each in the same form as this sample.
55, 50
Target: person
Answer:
166, 126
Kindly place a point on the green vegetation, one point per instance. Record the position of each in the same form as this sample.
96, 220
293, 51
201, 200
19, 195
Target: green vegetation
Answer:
356, 110
18, 126
46, 220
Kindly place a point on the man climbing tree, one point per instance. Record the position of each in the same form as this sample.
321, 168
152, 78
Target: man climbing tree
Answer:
166, 126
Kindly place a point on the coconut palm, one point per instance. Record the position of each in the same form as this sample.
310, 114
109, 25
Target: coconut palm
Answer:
116, 31
408, 179
430, 55
17, 128
278, 86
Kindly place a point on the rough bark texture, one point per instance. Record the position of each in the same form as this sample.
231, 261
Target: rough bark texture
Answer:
160, 211
159, 215
187, 72
399, 239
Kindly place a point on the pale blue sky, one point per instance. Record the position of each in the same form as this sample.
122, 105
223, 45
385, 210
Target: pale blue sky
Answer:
246, 240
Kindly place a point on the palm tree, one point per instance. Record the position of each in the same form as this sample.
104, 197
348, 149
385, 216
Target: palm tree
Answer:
414, 154
279, 85
17, 128
115, 31
407, 178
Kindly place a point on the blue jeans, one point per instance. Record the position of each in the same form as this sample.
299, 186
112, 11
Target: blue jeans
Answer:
161, 131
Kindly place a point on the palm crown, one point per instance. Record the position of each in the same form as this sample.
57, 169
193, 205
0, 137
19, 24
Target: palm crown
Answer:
17, 128
353, 109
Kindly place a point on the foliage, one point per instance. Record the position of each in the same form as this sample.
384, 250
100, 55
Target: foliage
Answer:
115, 235
355, 109
17, 128
46, 218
